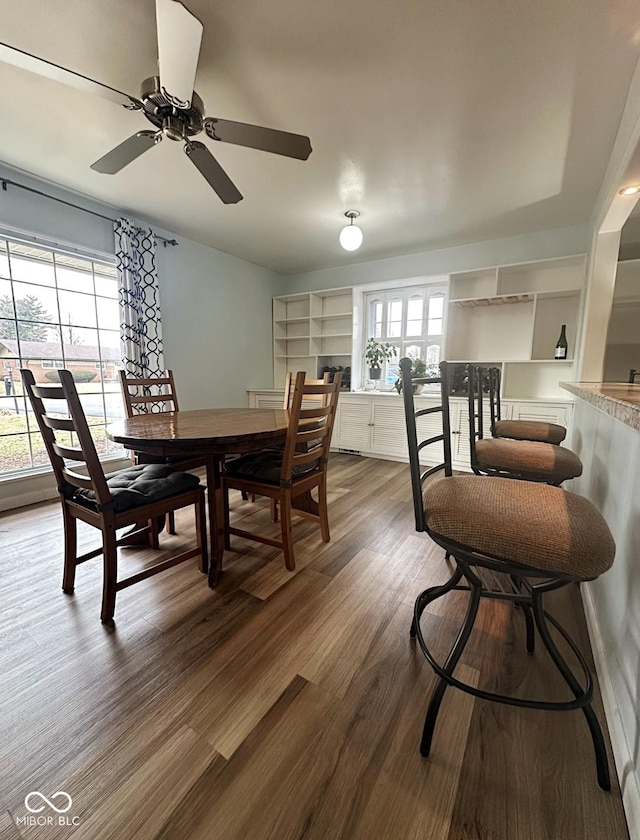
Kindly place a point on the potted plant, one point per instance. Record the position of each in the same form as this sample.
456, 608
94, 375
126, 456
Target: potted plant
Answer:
376, 354
418, 370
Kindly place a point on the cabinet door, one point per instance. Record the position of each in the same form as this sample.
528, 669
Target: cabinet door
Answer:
430, 426
268, 400
388, 433
352, 429
460, 446
540, 412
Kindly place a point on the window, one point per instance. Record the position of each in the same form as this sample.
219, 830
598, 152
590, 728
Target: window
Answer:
56, 311
412, 319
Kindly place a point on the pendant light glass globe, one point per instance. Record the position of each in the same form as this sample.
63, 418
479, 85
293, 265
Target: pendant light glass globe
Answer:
351, 235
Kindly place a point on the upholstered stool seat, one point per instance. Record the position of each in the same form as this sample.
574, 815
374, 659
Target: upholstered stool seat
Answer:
530, 430
535, 525
527, 459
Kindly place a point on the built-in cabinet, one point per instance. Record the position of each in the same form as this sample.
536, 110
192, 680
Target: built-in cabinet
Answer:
312, 331
512, 315
373, 424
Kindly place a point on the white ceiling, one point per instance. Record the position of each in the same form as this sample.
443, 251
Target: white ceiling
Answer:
441, 122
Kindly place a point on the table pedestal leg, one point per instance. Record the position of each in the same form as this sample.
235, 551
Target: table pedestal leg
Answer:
305, 501
215, 503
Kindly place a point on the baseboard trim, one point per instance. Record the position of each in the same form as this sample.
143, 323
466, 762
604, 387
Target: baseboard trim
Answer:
622, 754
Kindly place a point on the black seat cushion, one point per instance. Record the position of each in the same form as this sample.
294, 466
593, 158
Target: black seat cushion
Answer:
264, 466
140, 485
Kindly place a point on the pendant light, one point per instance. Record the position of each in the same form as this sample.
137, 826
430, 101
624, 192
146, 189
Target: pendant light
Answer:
351, 235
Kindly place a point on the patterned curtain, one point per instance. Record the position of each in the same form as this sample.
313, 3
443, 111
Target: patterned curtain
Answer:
141, 326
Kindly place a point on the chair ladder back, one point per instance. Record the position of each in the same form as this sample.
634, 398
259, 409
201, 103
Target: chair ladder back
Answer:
418, 475
75, 424
97, 480
36, 394
289, 385
139, 393
495, 407
296, 452
475, 378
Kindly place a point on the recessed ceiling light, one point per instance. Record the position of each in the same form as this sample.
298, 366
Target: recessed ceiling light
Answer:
629, 190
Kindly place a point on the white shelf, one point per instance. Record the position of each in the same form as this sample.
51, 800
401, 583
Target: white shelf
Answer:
315, 314
512, 315
299, 320
335, 317
494, 300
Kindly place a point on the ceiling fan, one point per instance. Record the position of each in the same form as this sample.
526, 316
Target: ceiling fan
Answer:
171, 104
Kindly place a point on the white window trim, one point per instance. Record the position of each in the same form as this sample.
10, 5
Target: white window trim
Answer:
403, 292
360, 319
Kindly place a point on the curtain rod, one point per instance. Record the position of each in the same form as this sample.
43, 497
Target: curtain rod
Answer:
6, 181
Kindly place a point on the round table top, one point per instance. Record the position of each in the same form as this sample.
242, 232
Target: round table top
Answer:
214, 429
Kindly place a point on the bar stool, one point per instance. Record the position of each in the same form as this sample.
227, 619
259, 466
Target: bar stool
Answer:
535, 430
523, 459
534, 539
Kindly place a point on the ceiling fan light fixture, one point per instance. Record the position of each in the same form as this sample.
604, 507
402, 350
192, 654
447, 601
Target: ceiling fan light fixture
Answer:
351, 235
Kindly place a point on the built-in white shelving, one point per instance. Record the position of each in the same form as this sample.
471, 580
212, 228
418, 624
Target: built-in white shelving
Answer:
312, 331
512, 315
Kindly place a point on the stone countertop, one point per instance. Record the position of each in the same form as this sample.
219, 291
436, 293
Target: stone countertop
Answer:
617, 399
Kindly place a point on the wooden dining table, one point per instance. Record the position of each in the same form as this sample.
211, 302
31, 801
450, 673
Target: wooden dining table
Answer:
213, 433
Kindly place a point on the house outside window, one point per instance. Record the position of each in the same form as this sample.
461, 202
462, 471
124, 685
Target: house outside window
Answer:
412, 319
57, 310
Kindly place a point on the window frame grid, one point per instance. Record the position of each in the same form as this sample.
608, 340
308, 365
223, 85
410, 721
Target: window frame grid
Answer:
57, 256
386, 296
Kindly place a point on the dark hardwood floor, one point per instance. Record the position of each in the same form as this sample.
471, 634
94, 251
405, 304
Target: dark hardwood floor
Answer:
282, 705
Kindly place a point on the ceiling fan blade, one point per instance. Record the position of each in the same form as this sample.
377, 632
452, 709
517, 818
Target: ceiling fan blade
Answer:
202, 158
129, 150
26, 61
257, 137
179, 38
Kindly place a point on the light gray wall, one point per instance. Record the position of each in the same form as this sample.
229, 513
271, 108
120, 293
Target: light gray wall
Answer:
545, 244
216, 321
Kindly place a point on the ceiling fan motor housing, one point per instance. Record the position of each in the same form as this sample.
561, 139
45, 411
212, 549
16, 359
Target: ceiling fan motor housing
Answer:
177, 123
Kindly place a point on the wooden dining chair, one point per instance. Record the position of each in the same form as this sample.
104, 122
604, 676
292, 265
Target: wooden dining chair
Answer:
288, 475
534, 430
153, 395
289, 388
504, 458
509, 540
139, 493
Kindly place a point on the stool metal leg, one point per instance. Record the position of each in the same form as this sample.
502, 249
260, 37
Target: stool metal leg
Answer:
602, 764
432, 594
449, 666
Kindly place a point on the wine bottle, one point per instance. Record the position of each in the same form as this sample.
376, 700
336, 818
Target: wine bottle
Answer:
562, 347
